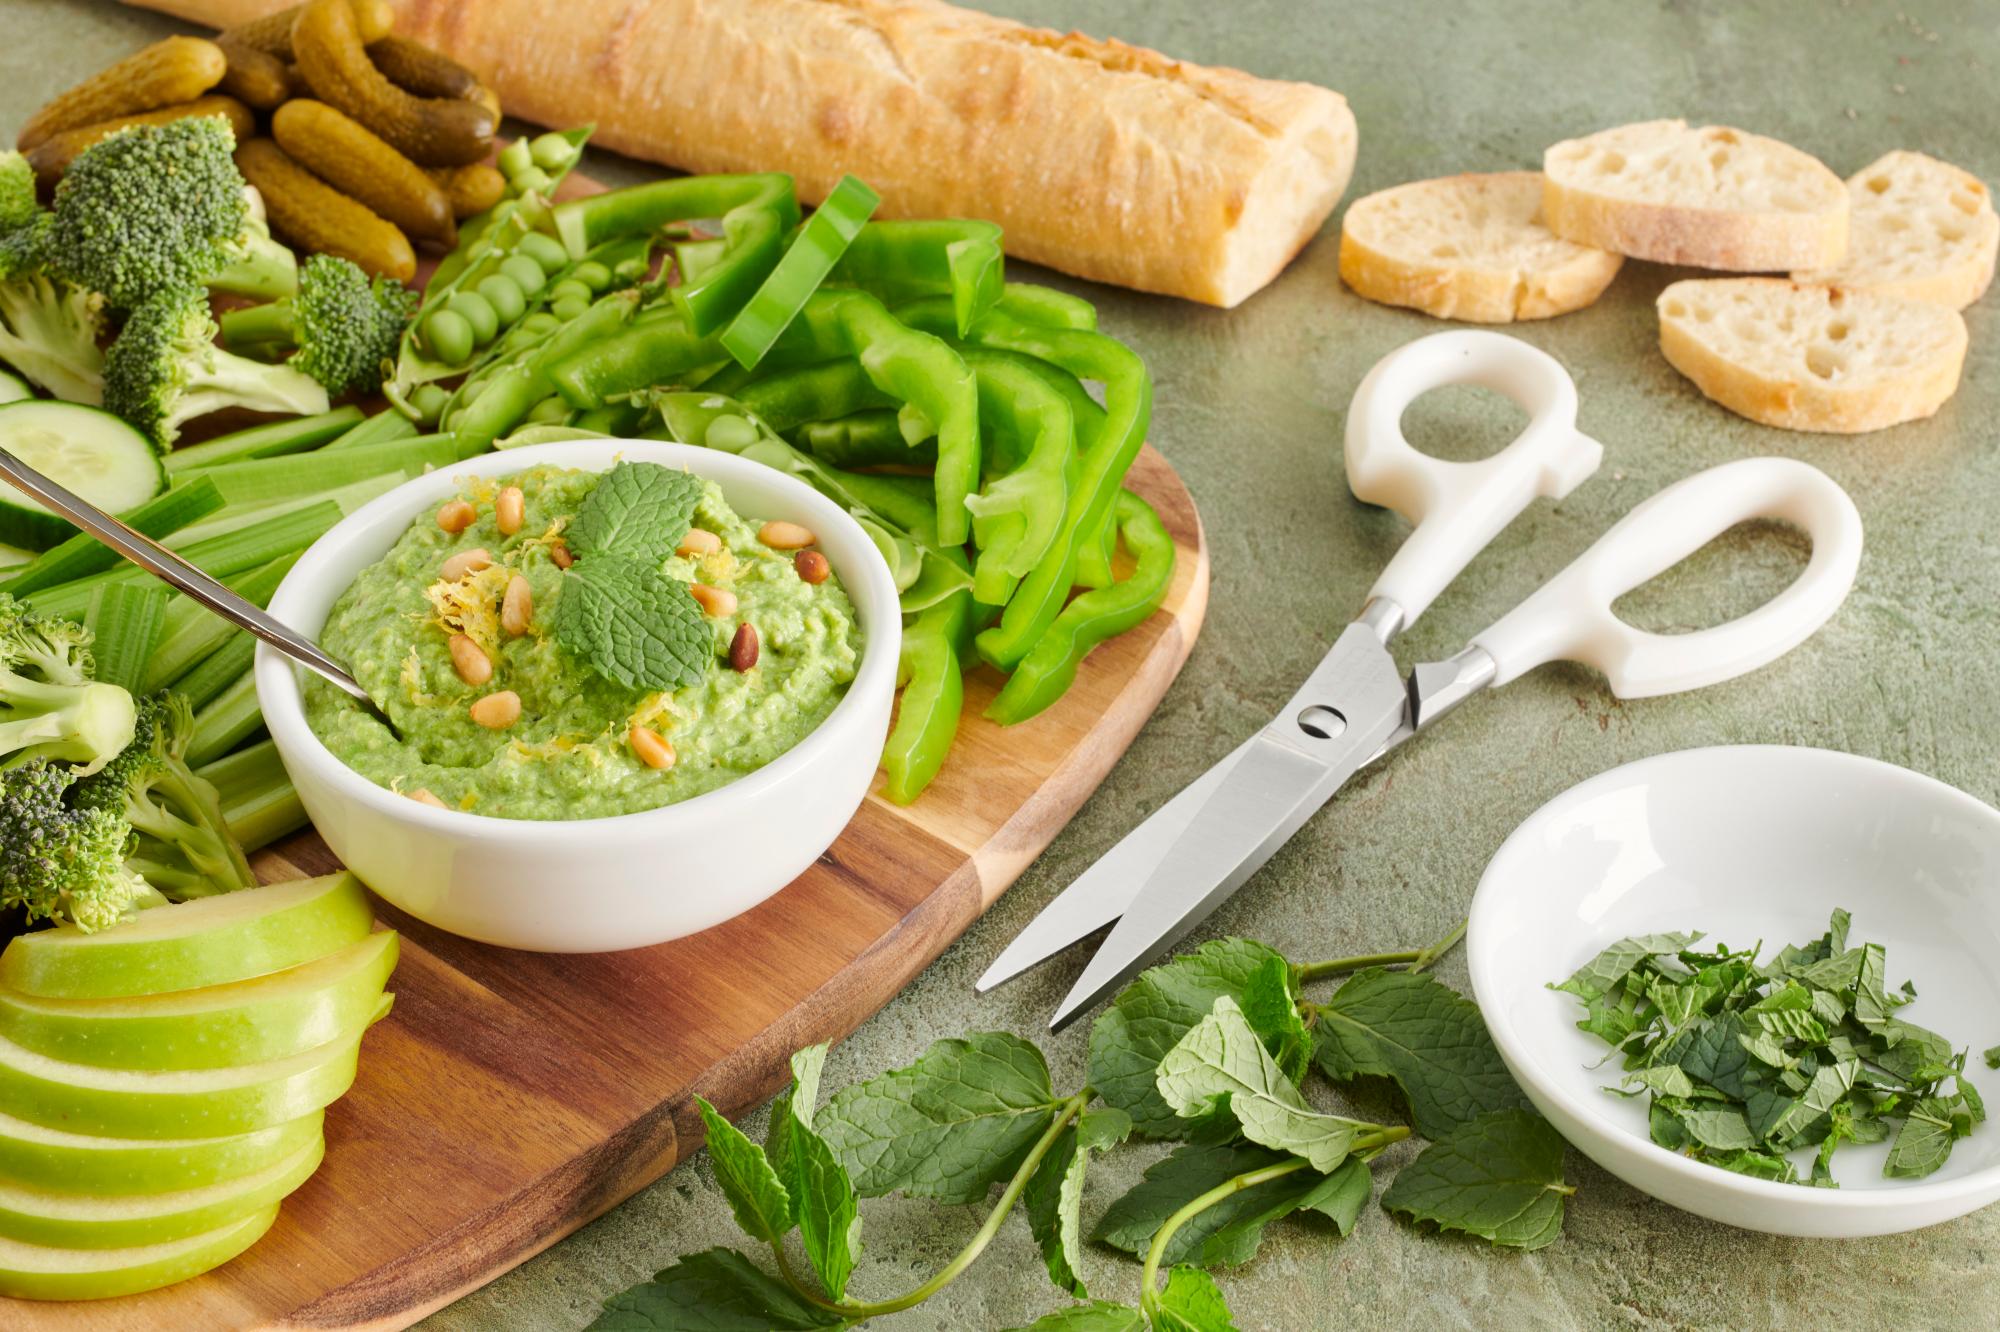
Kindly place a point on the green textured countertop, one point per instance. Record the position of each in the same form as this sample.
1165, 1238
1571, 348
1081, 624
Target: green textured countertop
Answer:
1250, 406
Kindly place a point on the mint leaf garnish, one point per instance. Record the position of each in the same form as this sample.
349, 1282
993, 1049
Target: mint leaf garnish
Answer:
1099, 1316
822, 1197
1191, 1303
1054, 1199
1271, 1005
638, 510
762, 1204
1498, 1177
718, 1290
1993, 1057
633, 624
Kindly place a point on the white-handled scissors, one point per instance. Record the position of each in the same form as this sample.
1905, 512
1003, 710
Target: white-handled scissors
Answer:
1173, 870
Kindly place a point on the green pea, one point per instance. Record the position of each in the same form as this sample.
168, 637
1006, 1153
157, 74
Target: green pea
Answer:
541, 321
592, 275
428, 401
552, 151
516, 157
477, 311
569, 289
631, 270
544, 250
526, 273
730, 434
569, 307
449, 336
533, 181
504, 295
549, 410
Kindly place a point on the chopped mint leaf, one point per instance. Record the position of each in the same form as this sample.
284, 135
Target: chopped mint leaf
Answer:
1610, 966
1993, 1057
633, 624
1498, 1177
637, 510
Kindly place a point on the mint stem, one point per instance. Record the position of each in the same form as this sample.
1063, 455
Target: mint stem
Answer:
1441, 947
1313, 971
856, 1312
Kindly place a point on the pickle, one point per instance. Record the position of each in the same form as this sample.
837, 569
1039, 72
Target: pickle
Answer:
357, 163
272, 34
311, 215
431, 131
416, 68
472, 188
255, 78
52, 156
169, 72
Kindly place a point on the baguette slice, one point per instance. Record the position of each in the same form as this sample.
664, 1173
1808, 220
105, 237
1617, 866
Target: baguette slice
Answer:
1711, 197
1918, 228
1469, 247
1812, 358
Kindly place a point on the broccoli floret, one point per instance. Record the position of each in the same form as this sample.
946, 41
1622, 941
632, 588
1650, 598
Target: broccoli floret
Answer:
62, 862
345, 328
159, 208
17, 191
176, 813
49, 708
49, 328
165, 369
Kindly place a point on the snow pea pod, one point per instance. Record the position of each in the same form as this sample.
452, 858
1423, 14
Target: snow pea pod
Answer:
656, 350
505, 398
719, 276
933, 682
957, 257
1050, 666
863, 439
1018, 514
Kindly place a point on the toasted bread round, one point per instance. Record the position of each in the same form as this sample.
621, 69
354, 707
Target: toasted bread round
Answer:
1710, 197
1469, 247
1917, 228
1812, 357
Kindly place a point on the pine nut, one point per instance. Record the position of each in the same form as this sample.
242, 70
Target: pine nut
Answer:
650, 747
510, 506
698, 542
423, 796
465, 562
469, 660
812, 566
517, 608
743, 647
496, 712
559, 553
718, 602
781, 535
455, 517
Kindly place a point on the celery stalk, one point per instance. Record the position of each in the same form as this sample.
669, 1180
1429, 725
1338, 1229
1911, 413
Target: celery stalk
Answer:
296, 435
226, 722
83, 554
125, 621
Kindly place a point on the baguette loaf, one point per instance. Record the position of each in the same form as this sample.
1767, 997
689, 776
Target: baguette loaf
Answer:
1812, 358
1469, 247
1101, 159
1712, 197
1920, 229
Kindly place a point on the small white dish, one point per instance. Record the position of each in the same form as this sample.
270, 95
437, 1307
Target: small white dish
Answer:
1747, 843
592, 885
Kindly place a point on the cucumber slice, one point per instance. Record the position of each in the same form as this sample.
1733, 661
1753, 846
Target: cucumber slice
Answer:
88, 452
13, 388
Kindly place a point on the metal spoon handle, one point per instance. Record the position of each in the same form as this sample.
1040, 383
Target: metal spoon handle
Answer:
170, 568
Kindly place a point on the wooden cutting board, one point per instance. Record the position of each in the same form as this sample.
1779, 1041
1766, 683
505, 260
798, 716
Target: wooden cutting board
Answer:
510, 1097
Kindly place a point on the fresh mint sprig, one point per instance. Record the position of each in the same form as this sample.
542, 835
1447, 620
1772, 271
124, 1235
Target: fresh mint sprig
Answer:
631, 623
1214, 1048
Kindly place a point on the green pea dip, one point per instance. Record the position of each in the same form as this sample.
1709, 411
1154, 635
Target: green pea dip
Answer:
567, 757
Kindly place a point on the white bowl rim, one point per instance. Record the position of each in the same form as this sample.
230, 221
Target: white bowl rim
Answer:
1500, 1023
282, 700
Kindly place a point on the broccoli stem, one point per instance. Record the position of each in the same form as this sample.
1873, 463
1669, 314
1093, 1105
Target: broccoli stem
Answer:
185, 813
265, 271
260, 325
85, 724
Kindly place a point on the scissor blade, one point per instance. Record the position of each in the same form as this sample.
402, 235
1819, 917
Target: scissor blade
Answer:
1277, 783
1101, 893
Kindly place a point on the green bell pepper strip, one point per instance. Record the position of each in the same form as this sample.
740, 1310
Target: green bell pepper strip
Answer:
925, 570
788, 399
815, 249
504, 399
863, 439
718, 277
1050, 666
657, 350
1048, 307
913, 368
1018, 514
957, 257
932, 678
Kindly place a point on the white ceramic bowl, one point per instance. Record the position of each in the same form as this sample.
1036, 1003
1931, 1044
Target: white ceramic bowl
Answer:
592, 885
1747, 843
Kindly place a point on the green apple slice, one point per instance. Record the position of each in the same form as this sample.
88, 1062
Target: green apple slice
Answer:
244, 1022
38, 1272
73, 1221
179, 1103
192, 945
48, 1158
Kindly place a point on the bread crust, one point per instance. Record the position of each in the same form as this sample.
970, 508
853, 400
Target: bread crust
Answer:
1871, 264
1104, 160
1477, 288
1805, 401
1689, 232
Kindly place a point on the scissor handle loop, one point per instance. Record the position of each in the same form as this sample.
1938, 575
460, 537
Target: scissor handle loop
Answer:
1570, 616
1458, 507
